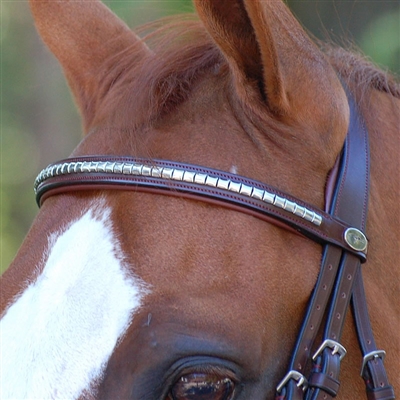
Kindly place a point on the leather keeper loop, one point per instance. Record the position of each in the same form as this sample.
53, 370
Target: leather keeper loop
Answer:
385, 393
325, 383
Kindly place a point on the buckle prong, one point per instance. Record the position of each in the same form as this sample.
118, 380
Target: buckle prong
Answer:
371, 356
295, 375
336, 347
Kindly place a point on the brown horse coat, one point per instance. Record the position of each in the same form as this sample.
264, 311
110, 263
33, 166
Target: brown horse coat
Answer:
222, 294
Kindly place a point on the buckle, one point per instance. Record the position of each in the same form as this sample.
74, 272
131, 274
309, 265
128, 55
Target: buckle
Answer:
372, 356
336, 347
297, 376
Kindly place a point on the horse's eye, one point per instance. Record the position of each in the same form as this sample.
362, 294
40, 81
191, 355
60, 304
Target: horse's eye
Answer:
202, 386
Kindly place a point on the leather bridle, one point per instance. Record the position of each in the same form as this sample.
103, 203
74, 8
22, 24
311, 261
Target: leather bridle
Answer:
339, 229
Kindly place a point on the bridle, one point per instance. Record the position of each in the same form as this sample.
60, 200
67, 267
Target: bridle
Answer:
339, 229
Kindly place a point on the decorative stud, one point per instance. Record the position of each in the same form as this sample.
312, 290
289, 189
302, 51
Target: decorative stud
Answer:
356, 239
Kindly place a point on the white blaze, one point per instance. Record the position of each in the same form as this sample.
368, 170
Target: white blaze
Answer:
59, 334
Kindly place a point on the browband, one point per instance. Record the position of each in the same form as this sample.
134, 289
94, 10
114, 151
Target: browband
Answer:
186, 180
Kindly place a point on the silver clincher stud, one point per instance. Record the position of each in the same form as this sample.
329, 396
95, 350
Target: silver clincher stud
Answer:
356, 239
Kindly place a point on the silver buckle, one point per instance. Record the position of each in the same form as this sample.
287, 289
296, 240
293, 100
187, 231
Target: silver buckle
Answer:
371, 356
336, 347
297, 376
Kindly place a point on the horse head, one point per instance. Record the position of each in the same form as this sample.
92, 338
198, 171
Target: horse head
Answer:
136, 295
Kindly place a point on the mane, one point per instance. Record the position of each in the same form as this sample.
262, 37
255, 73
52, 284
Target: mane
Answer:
182, 54
358, 72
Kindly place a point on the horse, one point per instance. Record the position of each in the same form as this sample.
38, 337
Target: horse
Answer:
178, 250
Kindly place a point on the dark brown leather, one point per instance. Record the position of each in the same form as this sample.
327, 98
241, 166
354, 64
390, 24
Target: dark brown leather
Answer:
330, 362
313, 318
373, 373
351, 205
331, 229
386, 393
324, 382
347, 200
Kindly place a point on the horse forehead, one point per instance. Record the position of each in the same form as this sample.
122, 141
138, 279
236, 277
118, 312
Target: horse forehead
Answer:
205, 262
77, 309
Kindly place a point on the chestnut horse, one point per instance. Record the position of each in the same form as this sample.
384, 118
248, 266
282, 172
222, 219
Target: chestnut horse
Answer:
126, 294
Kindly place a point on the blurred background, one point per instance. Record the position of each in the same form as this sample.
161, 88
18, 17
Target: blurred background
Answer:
38, 120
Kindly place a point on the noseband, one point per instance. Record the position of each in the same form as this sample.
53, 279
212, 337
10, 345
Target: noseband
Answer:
339, 229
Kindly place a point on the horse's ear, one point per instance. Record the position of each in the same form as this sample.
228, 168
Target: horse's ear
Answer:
84, 35
267, 48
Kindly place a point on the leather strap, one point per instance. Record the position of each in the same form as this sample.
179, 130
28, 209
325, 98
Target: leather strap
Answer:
372, 371
356, 193
328, 362
348, 201
314, 314
325, 383
205, 184
345, 187
351, 205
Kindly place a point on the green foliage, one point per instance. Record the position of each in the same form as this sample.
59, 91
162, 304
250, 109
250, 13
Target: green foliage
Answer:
15, 140
138, 12
39, 123
381, 40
